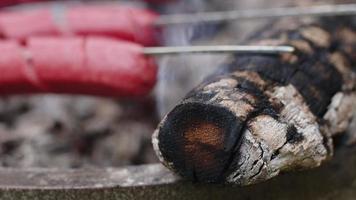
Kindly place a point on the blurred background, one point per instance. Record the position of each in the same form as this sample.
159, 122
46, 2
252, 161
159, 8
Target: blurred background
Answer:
80, 131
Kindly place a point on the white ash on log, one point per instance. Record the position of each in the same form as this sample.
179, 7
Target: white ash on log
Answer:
262, 115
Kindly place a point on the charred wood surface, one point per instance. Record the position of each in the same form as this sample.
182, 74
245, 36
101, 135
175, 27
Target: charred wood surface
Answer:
259, 115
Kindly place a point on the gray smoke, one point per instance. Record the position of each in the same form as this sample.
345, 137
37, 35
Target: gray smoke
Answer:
179, 74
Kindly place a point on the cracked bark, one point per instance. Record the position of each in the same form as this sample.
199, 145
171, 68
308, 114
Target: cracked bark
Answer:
271, 114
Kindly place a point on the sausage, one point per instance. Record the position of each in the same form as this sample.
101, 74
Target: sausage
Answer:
127, 23
14, 2
92, 66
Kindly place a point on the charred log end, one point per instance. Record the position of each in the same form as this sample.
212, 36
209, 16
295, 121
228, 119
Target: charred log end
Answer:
199, 141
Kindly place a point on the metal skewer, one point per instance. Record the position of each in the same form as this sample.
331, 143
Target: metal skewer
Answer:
218, 49
323, 10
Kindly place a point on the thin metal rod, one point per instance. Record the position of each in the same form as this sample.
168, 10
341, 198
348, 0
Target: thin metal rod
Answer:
323, 10
218, 49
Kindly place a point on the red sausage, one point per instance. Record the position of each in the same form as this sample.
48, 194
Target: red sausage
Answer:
132, 24
123, 22
16, 74
13, 2
22, 24
93, 66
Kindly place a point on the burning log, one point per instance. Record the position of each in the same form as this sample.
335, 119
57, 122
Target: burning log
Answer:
262, 115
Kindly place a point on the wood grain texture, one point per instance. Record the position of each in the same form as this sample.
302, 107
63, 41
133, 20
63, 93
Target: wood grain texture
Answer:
287, 108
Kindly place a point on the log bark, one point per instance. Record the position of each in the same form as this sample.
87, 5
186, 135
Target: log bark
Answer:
260, 116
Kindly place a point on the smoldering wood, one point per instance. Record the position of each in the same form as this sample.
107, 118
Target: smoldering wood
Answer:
274, 114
